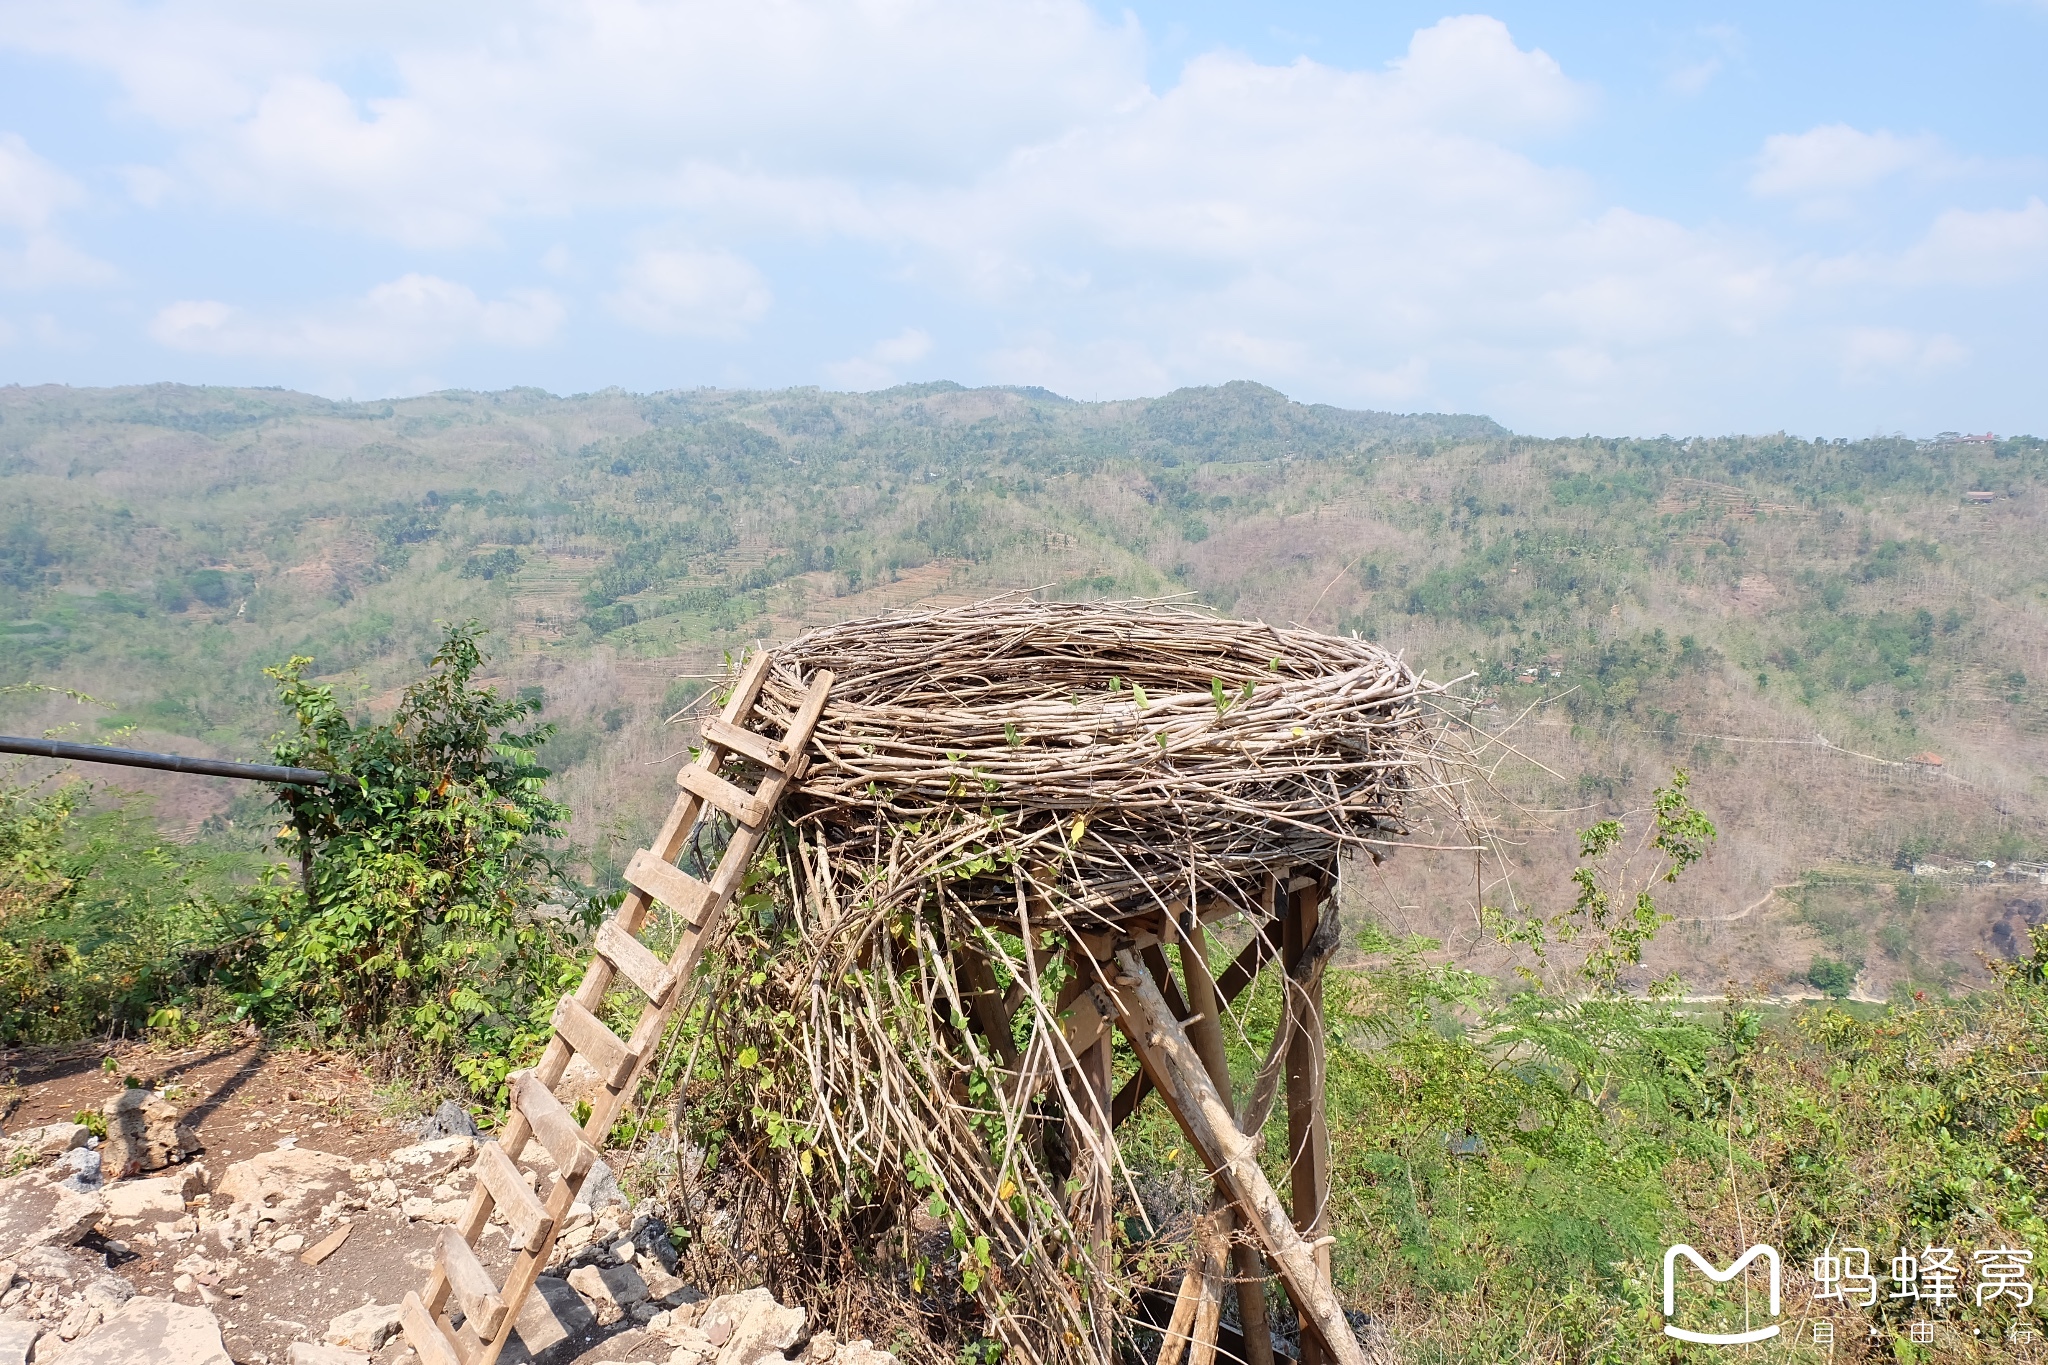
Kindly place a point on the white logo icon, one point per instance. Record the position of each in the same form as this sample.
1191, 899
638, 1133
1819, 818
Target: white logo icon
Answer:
1768, 1254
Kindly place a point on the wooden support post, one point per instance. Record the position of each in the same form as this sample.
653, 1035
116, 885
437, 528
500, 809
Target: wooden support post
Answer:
1308, 1133
1163, 1046
1089, 1133
1229, 986
1211, 1257
1205, 1008
978, 983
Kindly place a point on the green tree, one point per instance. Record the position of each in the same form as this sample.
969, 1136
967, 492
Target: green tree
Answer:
424, 867
1614, 910
103, 921
1835, 979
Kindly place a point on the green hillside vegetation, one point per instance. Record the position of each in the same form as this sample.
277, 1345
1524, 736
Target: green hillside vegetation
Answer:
1700, 602
1514, 1149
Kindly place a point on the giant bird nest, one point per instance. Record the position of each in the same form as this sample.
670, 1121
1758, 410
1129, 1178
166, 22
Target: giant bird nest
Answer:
989, 786
1124, 756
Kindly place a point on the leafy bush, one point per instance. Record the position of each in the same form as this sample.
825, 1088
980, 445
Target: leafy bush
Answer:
1834, 978
419, 913
102, 920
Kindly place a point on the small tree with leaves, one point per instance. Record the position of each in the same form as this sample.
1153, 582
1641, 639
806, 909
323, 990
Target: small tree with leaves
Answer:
1614, 912
422, 868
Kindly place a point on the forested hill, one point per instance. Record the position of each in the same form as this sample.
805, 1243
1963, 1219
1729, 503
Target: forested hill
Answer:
1717, 604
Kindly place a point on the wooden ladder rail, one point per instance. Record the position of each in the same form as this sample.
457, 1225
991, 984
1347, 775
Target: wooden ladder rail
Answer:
489, 1318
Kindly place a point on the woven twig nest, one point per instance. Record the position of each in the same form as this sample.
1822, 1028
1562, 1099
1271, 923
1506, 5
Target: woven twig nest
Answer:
1119, 756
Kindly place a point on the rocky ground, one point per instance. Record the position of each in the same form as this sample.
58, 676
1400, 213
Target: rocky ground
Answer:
258, 1207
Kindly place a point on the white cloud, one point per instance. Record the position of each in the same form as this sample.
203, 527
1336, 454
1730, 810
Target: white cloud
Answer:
689, 293
880, 366
402, 322
1399, 235
1961, 247
32, 195
1871, 354
1360, 233
1709, 48
31, 189
540, 107
1824, 166
1990, 246
1466, 73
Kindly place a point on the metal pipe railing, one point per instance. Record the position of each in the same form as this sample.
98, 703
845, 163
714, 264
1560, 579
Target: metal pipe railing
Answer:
175, 763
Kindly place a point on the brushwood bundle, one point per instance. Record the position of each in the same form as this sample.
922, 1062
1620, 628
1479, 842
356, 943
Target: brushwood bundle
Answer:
1004, 817
1149, 753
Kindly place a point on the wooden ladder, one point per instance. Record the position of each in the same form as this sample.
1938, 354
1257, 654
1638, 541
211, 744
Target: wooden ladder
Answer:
489, 1310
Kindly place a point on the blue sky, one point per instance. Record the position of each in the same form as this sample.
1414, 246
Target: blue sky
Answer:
1623, 219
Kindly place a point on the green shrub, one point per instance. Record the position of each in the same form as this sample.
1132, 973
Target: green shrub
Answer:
102, 920
417, 912
1834, 978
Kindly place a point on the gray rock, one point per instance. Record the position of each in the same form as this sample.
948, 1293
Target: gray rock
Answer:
611, 1291
83, 1163
108, 1293
450, 1120
17, 1339
552, 1325
151, 1332
862, 1352
651, 1241
144, 1134
160, 1199
306, 1353
53, 1261
37, 1211
289, 1185
601, 1188
366, 1328
760, 1327
49, 1140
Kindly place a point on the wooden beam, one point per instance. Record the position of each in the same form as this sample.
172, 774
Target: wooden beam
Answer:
1204, 1006
978, 982
1164, 1048
1209, 1312
1243, 970
1308, 1133
1092, 1091
1180, 1328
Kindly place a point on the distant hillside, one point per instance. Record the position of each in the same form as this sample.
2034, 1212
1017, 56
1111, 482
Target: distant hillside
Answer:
1716, 603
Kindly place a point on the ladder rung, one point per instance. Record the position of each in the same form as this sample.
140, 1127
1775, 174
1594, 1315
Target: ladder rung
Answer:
741, 805
635, 961
524, 1213
600, 1047
481, 1306
425, 1334
769, 753
553, 1126
669, 884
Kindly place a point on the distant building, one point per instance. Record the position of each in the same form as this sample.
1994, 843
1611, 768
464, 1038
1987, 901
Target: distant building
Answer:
1979, 495
1930, 759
